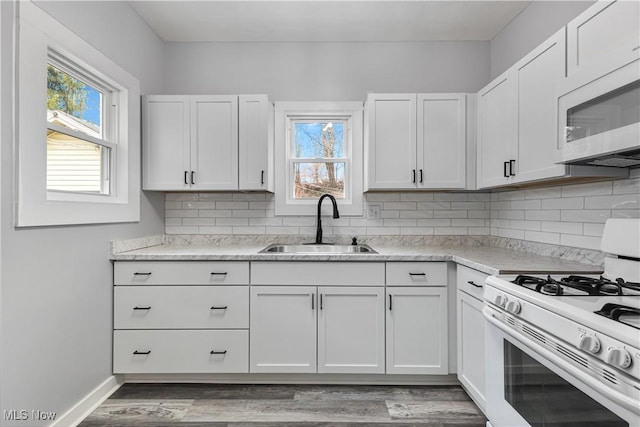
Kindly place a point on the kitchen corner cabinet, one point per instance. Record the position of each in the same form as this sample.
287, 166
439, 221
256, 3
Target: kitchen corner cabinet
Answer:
192, 143
517, 119
470, 336
415, 141
604, 37
416, 318
181, 317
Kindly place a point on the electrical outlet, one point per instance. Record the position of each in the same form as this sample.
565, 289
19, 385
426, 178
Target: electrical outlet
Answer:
373, 212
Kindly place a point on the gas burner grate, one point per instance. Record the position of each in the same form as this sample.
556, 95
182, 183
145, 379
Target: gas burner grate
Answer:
578, 285
620, 313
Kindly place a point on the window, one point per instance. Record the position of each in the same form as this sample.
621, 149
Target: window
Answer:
318, 151
78, 145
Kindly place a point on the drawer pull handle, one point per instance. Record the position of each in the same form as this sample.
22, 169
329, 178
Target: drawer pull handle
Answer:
417, 274
219, 307
472, 283
219, 274
142, 308
142, 352
141, 274
218, 352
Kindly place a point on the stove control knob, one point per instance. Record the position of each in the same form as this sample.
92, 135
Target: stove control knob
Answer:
619, 357
501, 300
589, 343
513, 307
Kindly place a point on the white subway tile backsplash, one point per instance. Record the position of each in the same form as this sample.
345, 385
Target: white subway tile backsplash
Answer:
571, 215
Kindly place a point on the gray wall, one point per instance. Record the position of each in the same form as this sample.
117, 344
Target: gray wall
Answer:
325, 71
57, 281
531, 27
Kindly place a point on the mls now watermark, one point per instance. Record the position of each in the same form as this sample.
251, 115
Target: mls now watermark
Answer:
25, 415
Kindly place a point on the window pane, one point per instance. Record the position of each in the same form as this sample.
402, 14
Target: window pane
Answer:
73, 104
76, 165
312, 180
318, 139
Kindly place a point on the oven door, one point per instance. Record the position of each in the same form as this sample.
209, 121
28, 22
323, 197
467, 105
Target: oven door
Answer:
525, 388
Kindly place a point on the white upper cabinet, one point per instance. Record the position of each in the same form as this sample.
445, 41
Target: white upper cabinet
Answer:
605, 36
441, 140
415, 141
255, 142
537, 76
497, 131
214, 143
166, 142
207, 142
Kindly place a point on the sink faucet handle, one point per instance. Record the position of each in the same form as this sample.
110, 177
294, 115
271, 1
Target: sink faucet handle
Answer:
354, 241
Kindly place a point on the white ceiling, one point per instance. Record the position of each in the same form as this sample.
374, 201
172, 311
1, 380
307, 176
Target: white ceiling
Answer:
326, 20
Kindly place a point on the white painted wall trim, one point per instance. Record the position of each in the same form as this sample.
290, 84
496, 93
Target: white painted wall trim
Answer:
89, 403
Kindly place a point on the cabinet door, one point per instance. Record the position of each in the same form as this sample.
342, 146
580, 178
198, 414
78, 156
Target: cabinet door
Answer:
166, 142
537, 76
471, 369
351, 330
283, 329
391, 141
497, 133
255, 140
214, 142
417, 332
441, 139
605, 37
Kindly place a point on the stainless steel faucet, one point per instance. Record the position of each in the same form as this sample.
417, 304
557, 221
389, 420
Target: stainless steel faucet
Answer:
335, 215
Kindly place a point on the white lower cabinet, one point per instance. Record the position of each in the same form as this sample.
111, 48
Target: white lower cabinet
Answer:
283, 329
351, 330
180, 351
417, 337
471, 360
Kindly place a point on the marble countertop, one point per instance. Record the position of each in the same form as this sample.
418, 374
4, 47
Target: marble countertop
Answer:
490, 260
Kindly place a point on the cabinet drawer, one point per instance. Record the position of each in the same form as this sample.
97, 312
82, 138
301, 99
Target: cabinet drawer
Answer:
181, 273
184, 351
416, 274
317, 273
181, 307
471, 281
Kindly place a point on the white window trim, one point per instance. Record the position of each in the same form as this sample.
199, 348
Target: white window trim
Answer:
352, 205
35, 206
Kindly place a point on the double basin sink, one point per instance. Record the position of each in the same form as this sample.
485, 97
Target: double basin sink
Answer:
317, 249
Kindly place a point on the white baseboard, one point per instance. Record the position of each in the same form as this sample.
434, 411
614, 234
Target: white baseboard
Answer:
89, 403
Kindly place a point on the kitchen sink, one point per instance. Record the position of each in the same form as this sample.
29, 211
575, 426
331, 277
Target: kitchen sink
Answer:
318, 249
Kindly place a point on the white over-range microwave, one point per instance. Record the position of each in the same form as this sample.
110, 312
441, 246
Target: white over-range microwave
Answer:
599, 117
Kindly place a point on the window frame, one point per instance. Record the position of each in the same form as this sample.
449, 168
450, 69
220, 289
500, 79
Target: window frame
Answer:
286, 114
41, 40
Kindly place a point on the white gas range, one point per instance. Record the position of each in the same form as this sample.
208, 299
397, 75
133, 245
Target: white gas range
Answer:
564, 350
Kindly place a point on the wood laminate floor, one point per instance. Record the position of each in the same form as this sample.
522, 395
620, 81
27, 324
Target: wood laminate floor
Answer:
200, 405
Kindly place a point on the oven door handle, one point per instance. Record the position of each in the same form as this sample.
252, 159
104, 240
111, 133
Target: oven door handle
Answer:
628, 402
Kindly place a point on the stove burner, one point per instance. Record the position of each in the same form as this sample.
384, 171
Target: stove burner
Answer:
620, 313
578, 285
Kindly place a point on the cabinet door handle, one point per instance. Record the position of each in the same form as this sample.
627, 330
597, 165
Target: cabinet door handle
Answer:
142, 352
219, 307
390, 302
421, 176
262, 177
185, 177
313, 297
414, 176
512, 165
192, 180
142, 308
472, 283
320, 301
141, 274
504, 170
218, 352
